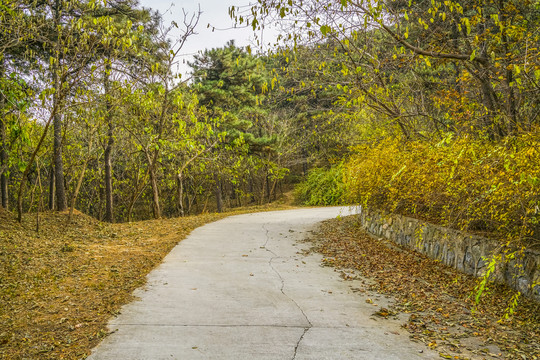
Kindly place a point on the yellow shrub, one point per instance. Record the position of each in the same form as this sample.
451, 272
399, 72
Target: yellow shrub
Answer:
462, 183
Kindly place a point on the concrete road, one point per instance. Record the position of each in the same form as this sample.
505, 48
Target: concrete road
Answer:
240, 288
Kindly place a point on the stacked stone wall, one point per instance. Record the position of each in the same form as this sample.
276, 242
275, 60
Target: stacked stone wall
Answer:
468, 253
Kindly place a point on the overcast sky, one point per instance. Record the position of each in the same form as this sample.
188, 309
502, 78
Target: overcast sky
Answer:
215, 13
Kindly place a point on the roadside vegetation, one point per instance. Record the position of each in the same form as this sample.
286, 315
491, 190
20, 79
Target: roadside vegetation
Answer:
471, 185
424, 108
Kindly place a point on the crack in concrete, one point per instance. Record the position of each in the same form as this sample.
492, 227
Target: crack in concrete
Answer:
299, 341
275, 256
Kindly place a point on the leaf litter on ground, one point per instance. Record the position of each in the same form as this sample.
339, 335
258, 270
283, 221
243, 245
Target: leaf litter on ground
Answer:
437, 300
59, 287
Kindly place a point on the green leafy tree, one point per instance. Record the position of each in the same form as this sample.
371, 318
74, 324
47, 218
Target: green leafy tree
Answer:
130, 33
428, 67
230, 84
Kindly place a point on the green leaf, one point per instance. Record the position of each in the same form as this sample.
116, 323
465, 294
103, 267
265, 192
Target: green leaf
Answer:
325, 29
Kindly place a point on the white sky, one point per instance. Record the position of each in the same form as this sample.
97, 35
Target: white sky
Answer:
215, 13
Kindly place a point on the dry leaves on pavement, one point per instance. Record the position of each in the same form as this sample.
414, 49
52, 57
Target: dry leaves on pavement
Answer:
437, 297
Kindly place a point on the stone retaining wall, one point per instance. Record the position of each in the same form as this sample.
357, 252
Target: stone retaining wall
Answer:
465, 252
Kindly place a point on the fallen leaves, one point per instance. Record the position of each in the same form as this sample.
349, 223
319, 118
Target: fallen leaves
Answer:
384, 313
442, 314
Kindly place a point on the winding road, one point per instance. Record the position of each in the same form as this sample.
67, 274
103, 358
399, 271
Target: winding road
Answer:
241, 288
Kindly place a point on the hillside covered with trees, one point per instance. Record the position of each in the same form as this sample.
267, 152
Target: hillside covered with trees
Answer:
425, 108
428, 108
96, 117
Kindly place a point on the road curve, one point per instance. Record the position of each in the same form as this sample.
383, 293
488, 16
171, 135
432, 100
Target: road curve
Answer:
239, 288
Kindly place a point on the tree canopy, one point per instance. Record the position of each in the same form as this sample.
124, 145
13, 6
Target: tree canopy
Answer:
349, 84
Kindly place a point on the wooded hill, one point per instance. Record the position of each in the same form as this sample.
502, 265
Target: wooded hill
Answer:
427, 108
95, 116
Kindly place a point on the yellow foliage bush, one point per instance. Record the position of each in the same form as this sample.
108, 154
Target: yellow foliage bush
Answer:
464, 183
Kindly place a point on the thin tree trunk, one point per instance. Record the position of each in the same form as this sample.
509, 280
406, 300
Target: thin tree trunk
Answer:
153, 183
155, 193
233, 195
263, 186
51, 186
39, 203
206, 203
180, 181
59, 164
273, 195
487, 99
27, 170
3, 151
267, 186
3, 160
101, 194
90, 207
512, 122
32, 194
217, 190
61, 203
76, 193
251, 190
109, 205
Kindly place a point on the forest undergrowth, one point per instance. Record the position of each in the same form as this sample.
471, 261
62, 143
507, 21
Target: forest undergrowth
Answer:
438, 300
59, 287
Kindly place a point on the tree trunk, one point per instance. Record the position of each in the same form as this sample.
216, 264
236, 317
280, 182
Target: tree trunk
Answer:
205, 203
251, 190
109, 206
101, 194
51, 187
511, 110
76, 193
219, 200
180, 181
59, 164
3, 161
155, 193
3, 150
273, 195
267, 181
489, 104
27, 170
263, 189
61, 203
39, 204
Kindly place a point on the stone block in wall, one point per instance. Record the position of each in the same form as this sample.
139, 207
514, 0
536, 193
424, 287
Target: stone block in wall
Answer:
451, 258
